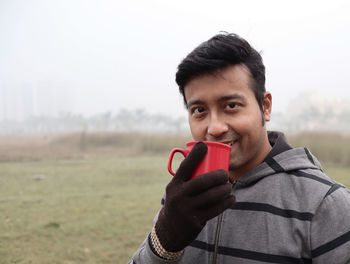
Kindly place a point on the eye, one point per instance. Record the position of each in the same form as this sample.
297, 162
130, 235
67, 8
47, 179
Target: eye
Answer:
197, 111
231, 105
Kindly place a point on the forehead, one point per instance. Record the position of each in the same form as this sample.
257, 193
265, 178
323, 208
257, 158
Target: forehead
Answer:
235, 79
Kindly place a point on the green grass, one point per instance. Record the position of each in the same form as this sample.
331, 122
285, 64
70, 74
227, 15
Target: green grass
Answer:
83, 211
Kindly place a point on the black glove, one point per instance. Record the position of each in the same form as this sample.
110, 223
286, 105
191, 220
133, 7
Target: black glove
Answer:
190, 204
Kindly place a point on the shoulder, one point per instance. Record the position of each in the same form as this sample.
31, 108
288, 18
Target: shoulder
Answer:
330, 226
298, 177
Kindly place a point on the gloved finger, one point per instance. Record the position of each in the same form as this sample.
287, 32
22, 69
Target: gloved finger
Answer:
216, 209
211, 196
189, 164
206, 181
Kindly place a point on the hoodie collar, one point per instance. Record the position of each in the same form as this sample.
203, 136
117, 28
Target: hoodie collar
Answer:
282, 158
278, 142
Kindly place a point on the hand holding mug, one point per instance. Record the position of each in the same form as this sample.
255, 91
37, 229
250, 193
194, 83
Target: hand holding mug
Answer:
189, 204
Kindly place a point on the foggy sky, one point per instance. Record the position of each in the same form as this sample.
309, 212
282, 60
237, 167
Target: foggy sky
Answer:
106, 55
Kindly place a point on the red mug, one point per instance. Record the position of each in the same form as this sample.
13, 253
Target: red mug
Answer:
217, 157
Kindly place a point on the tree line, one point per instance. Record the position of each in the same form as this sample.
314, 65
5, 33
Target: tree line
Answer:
125, 120
139, 120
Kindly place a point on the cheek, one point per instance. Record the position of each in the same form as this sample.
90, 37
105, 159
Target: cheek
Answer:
248, 128
198, 130
241, 125
251, 122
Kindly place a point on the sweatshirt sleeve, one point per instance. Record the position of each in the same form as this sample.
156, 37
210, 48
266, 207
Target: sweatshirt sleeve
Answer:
145, 255
330, 228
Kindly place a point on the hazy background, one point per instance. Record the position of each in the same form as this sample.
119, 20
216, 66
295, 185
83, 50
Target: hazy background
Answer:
87, 58
79, 80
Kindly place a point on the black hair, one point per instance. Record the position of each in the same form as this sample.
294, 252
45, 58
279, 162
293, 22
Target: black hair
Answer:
218, 52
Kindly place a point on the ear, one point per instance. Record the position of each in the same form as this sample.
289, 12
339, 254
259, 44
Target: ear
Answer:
267, 106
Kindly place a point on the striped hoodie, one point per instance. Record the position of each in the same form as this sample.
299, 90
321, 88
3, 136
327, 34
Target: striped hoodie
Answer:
287, 211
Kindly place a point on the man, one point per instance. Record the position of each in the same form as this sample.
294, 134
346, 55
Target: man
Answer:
275, 205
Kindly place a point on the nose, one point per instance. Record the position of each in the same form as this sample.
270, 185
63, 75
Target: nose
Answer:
216, 127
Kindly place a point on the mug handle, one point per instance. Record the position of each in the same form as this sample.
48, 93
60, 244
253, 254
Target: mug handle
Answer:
184, 152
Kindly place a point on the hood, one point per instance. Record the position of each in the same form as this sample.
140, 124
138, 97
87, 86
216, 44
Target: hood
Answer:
287, 160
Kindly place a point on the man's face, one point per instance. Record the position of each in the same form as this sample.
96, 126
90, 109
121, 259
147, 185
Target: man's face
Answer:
222, 107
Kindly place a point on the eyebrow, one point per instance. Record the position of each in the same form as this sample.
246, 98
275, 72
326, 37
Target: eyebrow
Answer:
220, 99
233, 96
194, 102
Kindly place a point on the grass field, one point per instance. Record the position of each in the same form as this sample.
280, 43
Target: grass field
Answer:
78, 211
85, 209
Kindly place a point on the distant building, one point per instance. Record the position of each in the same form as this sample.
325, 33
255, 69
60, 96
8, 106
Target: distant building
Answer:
20, 101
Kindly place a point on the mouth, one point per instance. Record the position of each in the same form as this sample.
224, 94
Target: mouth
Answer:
230, 143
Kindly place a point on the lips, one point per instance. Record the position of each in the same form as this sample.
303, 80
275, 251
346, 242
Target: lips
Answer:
233, 142
228, 139
230, 143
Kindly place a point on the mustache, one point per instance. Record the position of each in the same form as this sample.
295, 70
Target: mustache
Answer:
228, 136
